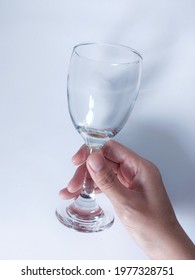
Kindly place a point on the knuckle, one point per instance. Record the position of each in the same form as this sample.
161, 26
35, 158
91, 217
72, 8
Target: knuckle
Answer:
107, 180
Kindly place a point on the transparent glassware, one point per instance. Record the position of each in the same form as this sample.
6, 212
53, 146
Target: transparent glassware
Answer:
102, 86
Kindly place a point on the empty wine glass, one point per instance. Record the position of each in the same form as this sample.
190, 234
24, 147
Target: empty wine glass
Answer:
102, 86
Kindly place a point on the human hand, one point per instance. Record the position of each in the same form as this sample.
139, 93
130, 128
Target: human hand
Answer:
136, 190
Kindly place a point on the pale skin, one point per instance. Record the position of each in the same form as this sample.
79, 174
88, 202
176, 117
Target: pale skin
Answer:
136, 190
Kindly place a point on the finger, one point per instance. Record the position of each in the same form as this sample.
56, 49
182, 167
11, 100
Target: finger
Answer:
75, 184
81, 155
123, 171
77, 179
118, 153
65, 194
105, 179
128, 161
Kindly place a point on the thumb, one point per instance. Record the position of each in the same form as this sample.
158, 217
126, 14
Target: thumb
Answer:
105, 178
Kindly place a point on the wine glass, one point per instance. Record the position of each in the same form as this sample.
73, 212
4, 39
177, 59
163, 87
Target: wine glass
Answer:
102, 86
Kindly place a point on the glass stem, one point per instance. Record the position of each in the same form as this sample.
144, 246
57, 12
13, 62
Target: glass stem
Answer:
88, 190
86, 200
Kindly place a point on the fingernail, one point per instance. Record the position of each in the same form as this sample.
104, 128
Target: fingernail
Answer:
96, 161
70, 188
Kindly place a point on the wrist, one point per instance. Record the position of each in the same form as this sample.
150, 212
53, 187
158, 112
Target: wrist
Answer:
168, 242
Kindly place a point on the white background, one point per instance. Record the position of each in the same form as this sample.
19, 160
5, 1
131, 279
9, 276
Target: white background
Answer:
37, 138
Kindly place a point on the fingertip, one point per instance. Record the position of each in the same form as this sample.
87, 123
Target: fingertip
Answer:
61, 194
66, 194
80, 156
96, 161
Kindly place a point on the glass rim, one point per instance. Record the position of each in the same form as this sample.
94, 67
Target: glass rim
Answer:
116, 45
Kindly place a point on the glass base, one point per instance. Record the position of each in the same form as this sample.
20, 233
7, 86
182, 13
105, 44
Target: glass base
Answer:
85, 215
